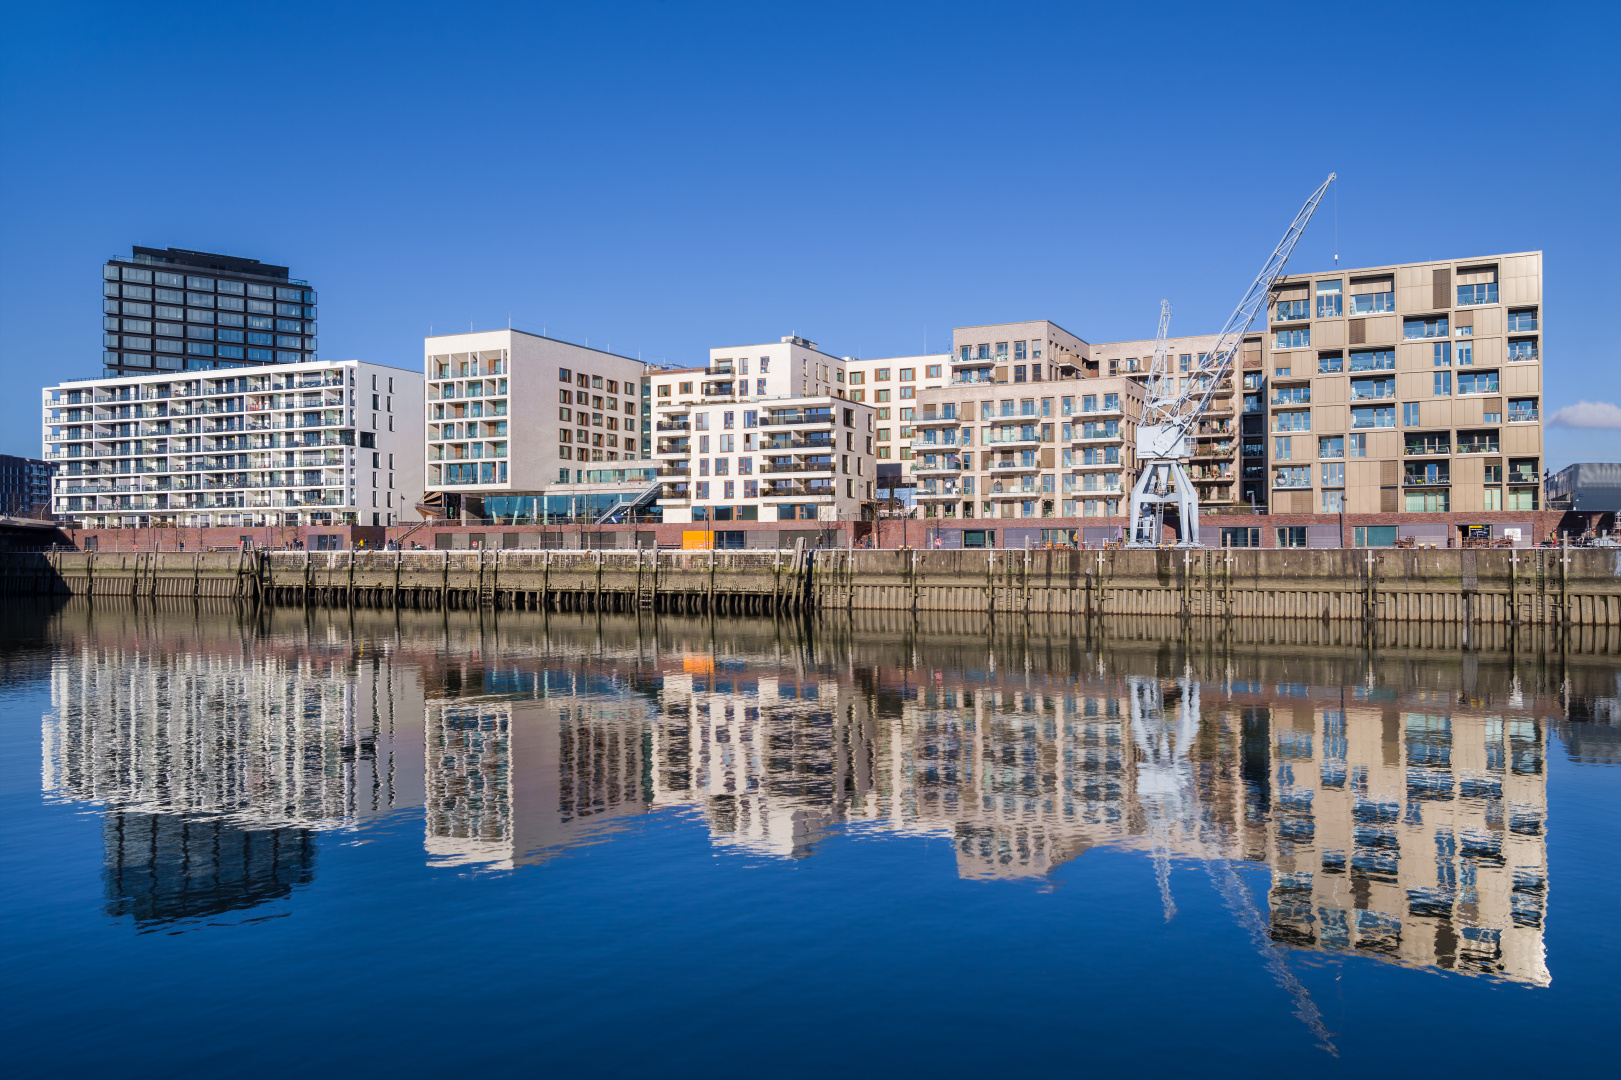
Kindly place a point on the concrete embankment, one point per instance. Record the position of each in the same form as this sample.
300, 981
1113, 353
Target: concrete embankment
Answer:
1545, 586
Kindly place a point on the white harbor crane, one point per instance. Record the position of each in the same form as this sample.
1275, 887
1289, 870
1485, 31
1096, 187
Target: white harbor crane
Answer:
1165, 433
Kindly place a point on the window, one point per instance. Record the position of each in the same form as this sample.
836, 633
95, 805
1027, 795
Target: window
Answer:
1333, 502
1425, 502
1522, 410
933, 371
1293, 339
908, 392
1329, 299
1521, 320
1331, 446
1240, 536
1373, 389
1282, 449
1372, 416
1111, 402
1329, 363
1291, 395
1483, 293
1477, 382
686, 388
1522, 350
908, 374
1019, 373
966, 353
1252, 381
1425, 326
881, 395
1358, 445
1373, 303
1373, 360
1334, 474
881, 375
1374, 536
1293, 476
1443, 384
1442, 354
1522, 499
1464, 353
1292, 536
1409, 414
1291, 310
1291, 421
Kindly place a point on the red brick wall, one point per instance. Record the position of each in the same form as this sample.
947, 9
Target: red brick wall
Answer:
219, 538
891, 532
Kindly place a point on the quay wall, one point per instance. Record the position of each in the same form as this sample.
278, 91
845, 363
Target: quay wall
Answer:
1541, 586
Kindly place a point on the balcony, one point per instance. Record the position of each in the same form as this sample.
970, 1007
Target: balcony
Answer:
1292, 485
796, 491
1427, 449
1013, 467
947, 463
972, 379
673, 425
1013, 440
933, 420
1479, 446
797, 467
1381, 394
675, 472
1435, 479
1523, 417
797, 419
673, 493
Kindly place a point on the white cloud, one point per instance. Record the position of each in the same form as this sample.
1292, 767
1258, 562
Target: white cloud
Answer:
1587, 414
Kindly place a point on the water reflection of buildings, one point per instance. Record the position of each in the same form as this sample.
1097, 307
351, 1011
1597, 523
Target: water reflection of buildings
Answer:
217, 767
1410, 831
529, 763
1405, 827
1402, 821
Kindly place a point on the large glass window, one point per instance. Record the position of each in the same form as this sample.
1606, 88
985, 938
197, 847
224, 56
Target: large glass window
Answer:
1425, 326
1484, 293
1293, 339
1522, 320
1380, 300
1477, 382
1373, 416
1329, 299
1373, 360
1373, 389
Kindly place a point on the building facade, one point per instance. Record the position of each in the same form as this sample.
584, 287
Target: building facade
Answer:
323, 443
25, 486
763, 433
585, 415
169, 309
1413, 388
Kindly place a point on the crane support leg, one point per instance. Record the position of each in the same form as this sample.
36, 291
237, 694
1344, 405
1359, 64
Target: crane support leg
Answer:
1162, 483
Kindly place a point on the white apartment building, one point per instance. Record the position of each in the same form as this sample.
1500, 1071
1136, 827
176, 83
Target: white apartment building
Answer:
763, 433
584, 414
320, 443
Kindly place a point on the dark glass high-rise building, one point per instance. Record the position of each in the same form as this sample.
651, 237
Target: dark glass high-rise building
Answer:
168, 309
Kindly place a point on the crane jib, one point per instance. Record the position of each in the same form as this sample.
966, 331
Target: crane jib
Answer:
1164, 436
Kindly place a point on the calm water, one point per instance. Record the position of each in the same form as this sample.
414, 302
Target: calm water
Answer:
592, 847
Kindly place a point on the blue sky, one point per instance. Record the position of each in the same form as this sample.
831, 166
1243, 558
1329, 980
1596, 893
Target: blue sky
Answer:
665, 177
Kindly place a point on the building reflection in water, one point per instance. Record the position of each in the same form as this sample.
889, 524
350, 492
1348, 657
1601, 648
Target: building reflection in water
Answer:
160, 868
1399, 805
218, 760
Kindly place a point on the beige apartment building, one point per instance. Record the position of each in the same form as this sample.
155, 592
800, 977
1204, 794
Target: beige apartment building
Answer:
1407, 388
1217, 466
763, 433
1023, 428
